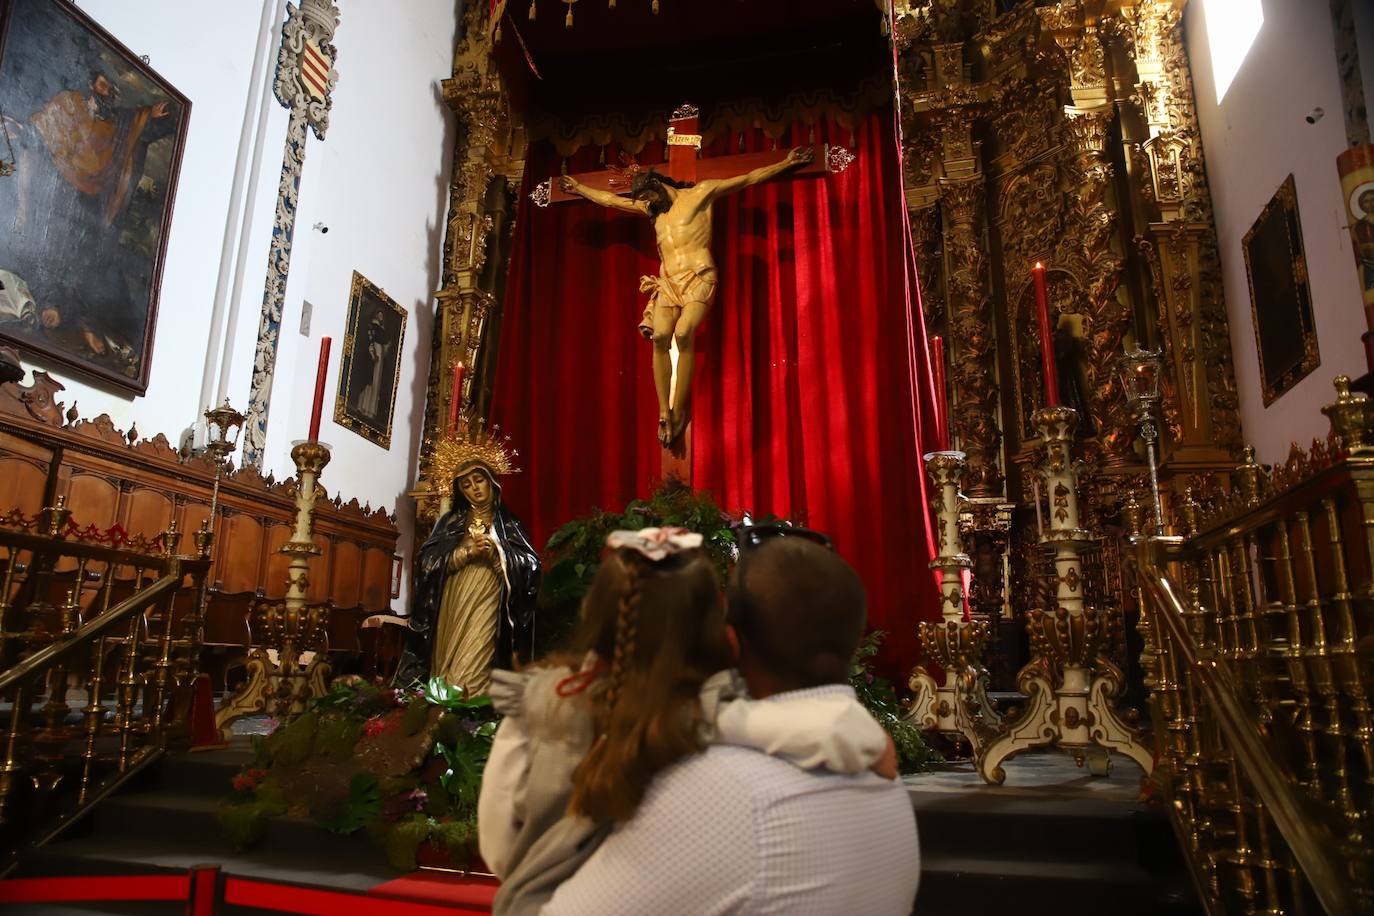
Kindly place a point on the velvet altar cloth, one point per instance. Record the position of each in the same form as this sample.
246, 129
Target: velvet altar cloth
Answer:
812, 399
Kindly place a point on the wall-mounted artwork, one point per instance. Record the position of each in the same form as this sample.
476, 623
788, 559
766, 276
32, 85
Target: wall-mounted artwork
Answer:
1280, 301
97, 138
370, 368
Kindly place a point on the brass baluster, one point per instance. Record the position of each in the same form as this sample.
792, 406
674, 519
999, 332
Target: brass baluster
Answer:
1297, 670
1242, 856
1315, 651
160, 681
94, 714
1349, 684
129, 683
1253, 654
9, 770
6, 596
1269, 866
56, 709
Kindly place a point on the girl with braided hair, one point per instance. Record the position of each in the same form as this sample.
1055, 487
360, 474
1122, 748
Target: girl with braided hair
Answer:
647, 682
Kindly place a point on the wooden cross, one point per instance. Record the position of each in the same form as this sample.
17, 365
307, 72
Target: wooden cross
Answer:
685, 164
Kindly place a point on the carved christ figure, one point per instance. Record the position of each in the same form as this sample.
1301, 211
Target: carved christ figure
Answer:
682, 293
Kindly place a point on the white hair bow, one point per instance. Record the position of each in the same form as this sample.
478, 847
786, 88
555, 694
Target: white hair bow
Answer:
655, 543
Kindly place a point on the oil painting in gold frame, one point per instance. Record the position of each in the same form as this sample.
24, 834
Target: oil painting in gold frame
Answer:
1280, 300
370, 367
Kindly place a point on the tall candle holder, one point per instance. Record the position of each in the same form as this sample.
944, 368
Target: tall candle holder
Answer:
1069, 685
292, 628
960, 707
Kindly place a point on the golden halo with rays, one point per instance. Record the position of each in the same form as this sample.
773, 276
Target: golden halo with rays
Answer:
470, 445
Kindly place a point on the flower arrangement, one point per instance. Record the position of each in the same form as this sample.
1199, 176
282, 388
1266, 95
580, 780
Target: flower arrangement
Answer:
403, 766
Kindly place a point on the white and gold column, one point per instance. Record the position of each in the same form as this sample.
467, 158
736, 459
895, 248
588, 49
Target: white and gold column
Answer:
959, 708
291, 629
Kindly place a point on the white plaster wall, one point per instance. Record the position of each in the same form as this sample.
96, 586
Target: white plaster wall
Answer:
379, 181
1252, 141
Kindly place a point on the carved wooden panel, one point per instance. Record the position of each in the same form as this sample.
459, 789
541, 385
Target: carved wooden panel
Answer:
376, 581
143, 486
241, 550
348, 572
21, 483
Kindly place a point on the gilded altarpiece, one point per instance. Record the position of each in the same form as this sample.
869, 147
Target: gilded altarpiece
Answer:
1064, 134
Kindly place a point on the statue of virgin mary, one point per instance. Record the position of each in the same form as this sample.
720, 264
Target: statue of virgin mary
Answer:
477, 574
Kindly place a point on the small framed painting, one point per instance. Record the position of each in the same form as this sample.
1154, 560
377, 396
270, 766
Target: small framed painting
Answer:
370, 368
94, 140
1280, 300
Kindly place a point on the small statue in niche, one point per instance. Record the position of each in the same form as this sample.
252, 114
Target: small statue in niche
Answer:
1068, 364
477, 575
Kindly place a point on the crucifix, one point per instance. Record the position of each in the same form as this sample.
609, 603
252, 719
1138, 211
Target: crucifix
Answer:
677, 197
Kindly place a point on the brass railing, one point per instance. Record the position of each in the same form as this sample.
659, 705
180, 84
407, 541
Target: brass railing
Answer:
1258, 632
97, 616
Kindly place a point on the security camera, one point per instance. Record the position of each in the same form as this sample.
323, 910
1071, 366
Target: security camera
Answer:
321, 228
1315, 115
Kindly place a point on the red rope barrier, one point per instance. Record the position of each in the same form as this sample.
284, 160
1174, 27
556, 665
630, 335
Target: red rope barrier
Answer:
289, 898
104, 888
204, 888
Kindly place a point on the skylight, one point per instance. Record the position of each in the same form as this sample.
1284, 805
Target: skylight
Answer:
1232, 26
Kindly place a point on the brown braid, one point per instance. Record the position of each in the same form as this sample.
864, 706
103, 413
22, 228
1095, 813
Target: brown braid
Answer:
626, 628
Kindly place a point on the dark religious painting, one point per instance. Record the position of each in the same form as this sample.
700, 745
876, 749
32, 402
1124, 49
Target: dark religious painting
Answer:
1280, 301
370, 368
97, 139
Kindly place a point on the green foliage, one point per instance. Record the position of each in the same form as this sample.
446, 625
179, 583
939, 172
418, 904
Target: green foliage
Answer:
415, 716
403, 840
450, 697
293, 742
244, 815
337, 735
364, 803
913, 754
573, 554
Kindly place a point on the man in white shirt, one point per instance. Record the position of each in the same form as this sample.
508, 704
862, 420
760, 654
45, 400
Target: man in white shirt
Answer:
734, 831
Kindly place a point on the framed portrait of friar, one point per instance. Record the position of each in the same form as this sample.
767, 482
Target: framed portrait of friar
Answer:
1280, 300
94, 139
370, 368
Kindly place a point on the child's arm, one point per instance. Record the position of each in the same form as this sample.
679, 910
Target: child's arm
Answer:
834, 732
501, 803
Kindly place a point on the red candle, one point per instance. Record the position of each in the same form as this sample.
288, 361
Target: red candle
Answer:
455, 398
318, 406
937, 372
1042, 313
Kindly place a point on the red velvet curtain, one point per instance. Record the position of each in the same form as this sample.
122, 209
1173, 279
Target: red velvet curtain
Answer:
812, 398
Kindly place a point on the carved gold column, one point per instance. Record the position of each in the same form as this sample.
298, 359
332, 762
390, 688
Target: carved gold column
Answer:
941, 107
1179, 245
1071, 688
973, 369
1090, 248
489, 148
959, 707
